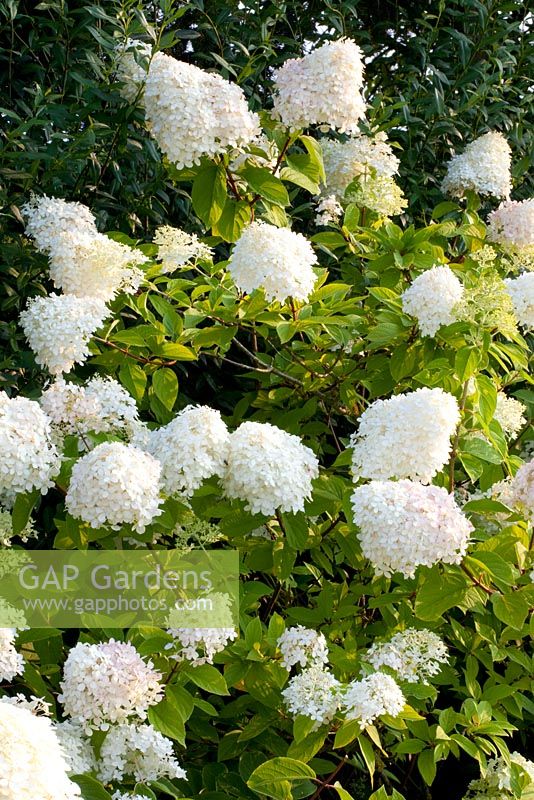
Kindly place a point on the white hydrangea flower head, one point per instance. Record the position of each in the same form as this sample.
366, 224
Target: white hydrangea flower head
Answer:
76, 747
139, 434
512, 225
405, 524
12, 559
510, 414
269, 469
35, 705
304, 646
192, 113
11, 616
191, 448
177, 247
415, 655
69, 408
31, 762
432, 298
322, 88
358, 156
495, 784
115, 484
329, 211
6, 531
406, 436
275, 259
200, 645
118, 795
521, 290
59, 327
132, 58
102, 406
380, 194
484, 256
117, 408
29, 459
313, 693
48, 217
371, 697
107, 683
520, 492
11, 662
90, 264
138, 751
483, 167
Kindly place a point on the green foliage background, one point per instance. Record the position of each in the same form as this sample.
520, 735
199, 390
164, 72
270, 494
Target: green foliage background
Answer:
439, 74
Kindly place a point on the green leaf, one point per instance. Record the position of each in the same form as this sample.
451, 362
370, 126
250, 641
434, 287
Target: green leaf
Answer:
511, 608
169, 715
22, 509
208, 678
177, 351
427, 766
482, 449
274, 777
347, 733
439, 593
444, 208
466, 363
315, 152
266, 185
491, 563
91, 788
296, 530
342, 793
368, 754
165, 785
208, 194
131, 336
144, 791
306, 748
165, 385
234, 217
303, 171
134, 379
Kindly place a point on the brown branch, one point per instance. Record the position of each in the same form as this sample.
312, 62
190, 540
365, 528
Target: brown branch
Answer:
281, 155
143, 359
476, 581
327, 781
267, 367
171, 673
278, 516
233, 185
332, 525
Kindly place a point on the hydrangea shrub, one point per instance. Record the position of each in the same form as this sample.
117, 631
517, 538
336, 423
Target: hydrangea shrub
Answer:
294, 367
